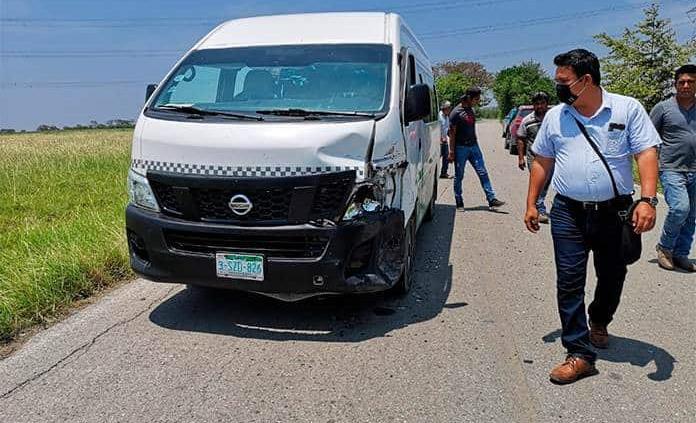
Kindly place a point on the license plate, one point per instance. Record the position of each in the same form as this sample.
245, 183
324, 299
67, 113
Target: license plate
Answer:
239, 266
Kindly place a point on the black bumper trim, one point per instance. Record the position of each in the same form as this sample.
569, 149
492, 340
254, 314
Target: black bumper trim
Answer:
382, 231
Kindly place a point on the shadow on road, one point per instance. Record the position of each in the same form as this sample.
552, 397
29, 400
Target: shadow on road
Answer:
676, 269
633, 352
328, 319
484, 208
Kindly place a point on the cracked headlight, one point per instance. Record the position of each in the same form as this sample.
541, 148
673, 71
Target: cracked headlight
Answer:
366, 198
140, 193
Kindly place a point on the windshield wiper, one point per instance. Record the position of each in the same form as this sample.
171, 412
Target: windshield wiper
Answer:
203, 112
306, 113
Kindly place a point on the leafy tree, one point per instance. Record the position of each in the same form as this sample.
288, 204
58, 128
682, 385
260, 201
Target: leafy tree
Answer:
516, 85
452, 78
641, 62
474, 70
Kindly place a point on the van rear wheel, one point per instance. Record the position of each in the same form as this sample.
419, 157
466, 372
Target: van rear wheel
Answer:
430, 213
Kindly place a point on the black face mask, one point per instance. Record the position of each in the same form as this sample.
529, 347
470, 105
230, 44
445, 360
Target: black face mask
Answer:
565, 94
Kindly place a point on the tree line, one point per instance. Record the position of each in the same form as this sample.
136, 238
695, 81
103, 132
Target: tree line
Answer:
640, 63
109, 124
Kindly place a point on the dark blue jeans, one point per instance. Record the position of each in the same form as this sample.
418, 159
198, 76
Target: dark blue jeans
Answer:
473, 155
444, 152
680, 223
575, 233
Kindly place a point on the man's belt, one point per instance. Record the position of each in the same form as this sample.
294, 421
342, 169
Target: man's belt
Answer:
618, 203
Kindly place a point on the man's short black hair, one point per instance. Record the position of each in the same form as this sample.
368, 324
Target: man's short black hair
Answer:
540, 97
583, 62
470, 94
690, 68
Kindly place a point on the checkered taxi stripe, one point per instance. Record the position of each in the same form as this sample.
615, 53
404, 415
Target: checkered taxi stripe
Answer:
196, 169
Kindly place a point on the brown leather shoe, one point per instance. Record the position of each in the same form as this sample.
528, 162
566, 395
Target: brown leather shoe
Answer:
572, 370
599, 336
664, 258
684, 264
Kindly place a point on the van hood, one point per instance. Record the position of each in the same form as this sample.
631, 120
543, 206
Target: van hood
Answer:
251, 148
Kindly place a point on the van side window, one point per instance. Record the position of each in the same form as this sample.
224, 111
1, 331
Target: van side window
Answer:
435, 103
426, 78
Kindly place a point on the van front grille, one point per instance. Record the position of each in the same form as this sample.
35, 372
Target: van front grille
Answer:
275, 201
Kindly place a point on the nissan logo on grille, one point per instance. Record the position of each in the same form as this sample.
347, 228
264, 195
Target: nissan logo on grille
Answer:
240, 205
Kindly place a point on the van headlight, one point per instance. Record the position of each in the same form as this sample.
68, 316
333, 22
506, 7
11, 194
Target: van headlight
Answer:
140, 193
366, 198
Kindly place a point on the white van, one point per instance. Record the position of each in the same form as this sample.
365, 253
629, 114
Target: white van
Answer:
289, 155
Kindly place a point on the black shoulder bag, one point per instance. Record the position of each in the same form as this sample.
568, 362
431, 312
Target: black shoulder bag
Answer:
631, 244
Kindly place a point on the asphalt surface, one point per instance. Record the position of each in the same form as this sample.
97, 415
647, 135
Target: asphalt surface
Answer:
473, 342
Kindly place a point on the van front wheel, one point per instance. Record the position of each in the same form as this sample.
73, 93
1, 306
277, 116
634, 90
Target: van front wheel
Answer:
407, 275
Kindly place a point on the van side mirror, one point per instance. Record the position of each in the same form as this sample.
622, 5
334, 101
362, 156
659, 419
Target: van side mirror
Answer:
418, 104
149, 90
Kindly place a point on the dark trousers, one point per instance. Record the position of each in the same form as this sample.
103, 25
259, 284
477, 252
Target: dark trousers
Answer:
444, 152
577, 231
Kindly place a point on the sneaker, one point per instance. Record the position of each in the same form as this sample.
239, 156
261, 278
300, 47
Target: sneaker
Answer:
460, 203
544, 218
664, 258
494, 203
572, 370
684, 263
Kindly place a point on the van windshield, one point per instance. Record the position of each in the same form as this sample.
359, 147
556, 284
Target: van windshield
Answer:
331, 78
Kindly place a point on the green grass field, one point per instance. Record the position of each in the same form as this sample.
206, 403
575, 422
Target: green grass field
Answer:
62, 199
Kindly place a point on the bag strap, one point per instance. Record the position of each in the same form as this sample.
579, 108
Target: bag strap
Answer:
599, 153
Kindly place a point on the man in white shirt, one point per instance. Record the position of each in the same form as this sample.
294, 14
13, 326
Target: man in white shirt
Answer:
443, 117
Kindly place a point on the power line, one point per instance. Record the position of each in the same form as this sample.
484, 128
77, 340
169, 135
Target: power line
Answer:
213, 20
69, 84
427, 35
530, 22
547, 46
27, 54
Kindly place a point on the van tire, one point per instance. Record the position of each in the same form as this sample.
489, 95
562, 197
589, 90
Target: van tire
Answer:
403, 286
430, 213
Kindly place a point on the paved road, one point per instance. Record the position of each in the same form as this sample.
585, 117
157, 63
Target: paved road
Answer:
473, 342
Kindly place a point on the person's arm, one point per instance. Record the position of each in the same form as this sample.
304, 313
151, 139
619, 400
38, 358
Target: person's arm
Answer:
643, 138
541, 169
454, 119
645, 214
453, 142
520, 139
521, 152
542, 166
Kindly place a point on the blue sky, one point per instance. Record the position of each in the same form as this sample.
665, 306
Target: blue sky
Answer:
72, 61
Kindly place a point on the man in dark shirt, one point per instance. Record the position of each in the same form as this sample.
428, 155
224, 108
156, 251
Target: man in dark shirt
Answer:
465, 148
675, 120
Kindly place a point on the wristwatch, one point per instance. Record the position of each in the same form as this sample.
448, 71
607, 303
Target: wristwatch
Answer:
653, 201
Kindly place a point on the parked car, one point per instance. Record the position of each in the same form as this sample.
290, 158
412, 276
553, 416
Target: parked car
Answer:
506, 124
511, 140
292, 156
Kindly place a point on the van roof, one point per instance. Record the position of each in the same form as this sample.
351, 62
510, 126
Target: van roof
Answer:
309, 28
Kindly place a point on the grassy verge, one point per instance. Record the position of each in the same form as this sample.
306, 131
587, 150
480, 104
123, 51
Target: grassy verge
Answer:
62, 196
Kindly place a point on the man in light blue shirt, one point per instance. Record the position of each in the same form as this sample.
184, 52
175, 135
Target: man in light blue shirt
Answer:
586, 212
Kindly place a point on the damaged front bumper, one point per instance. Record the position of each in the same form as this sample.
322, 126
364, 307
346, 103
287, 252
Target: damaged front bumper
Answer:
359, 256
